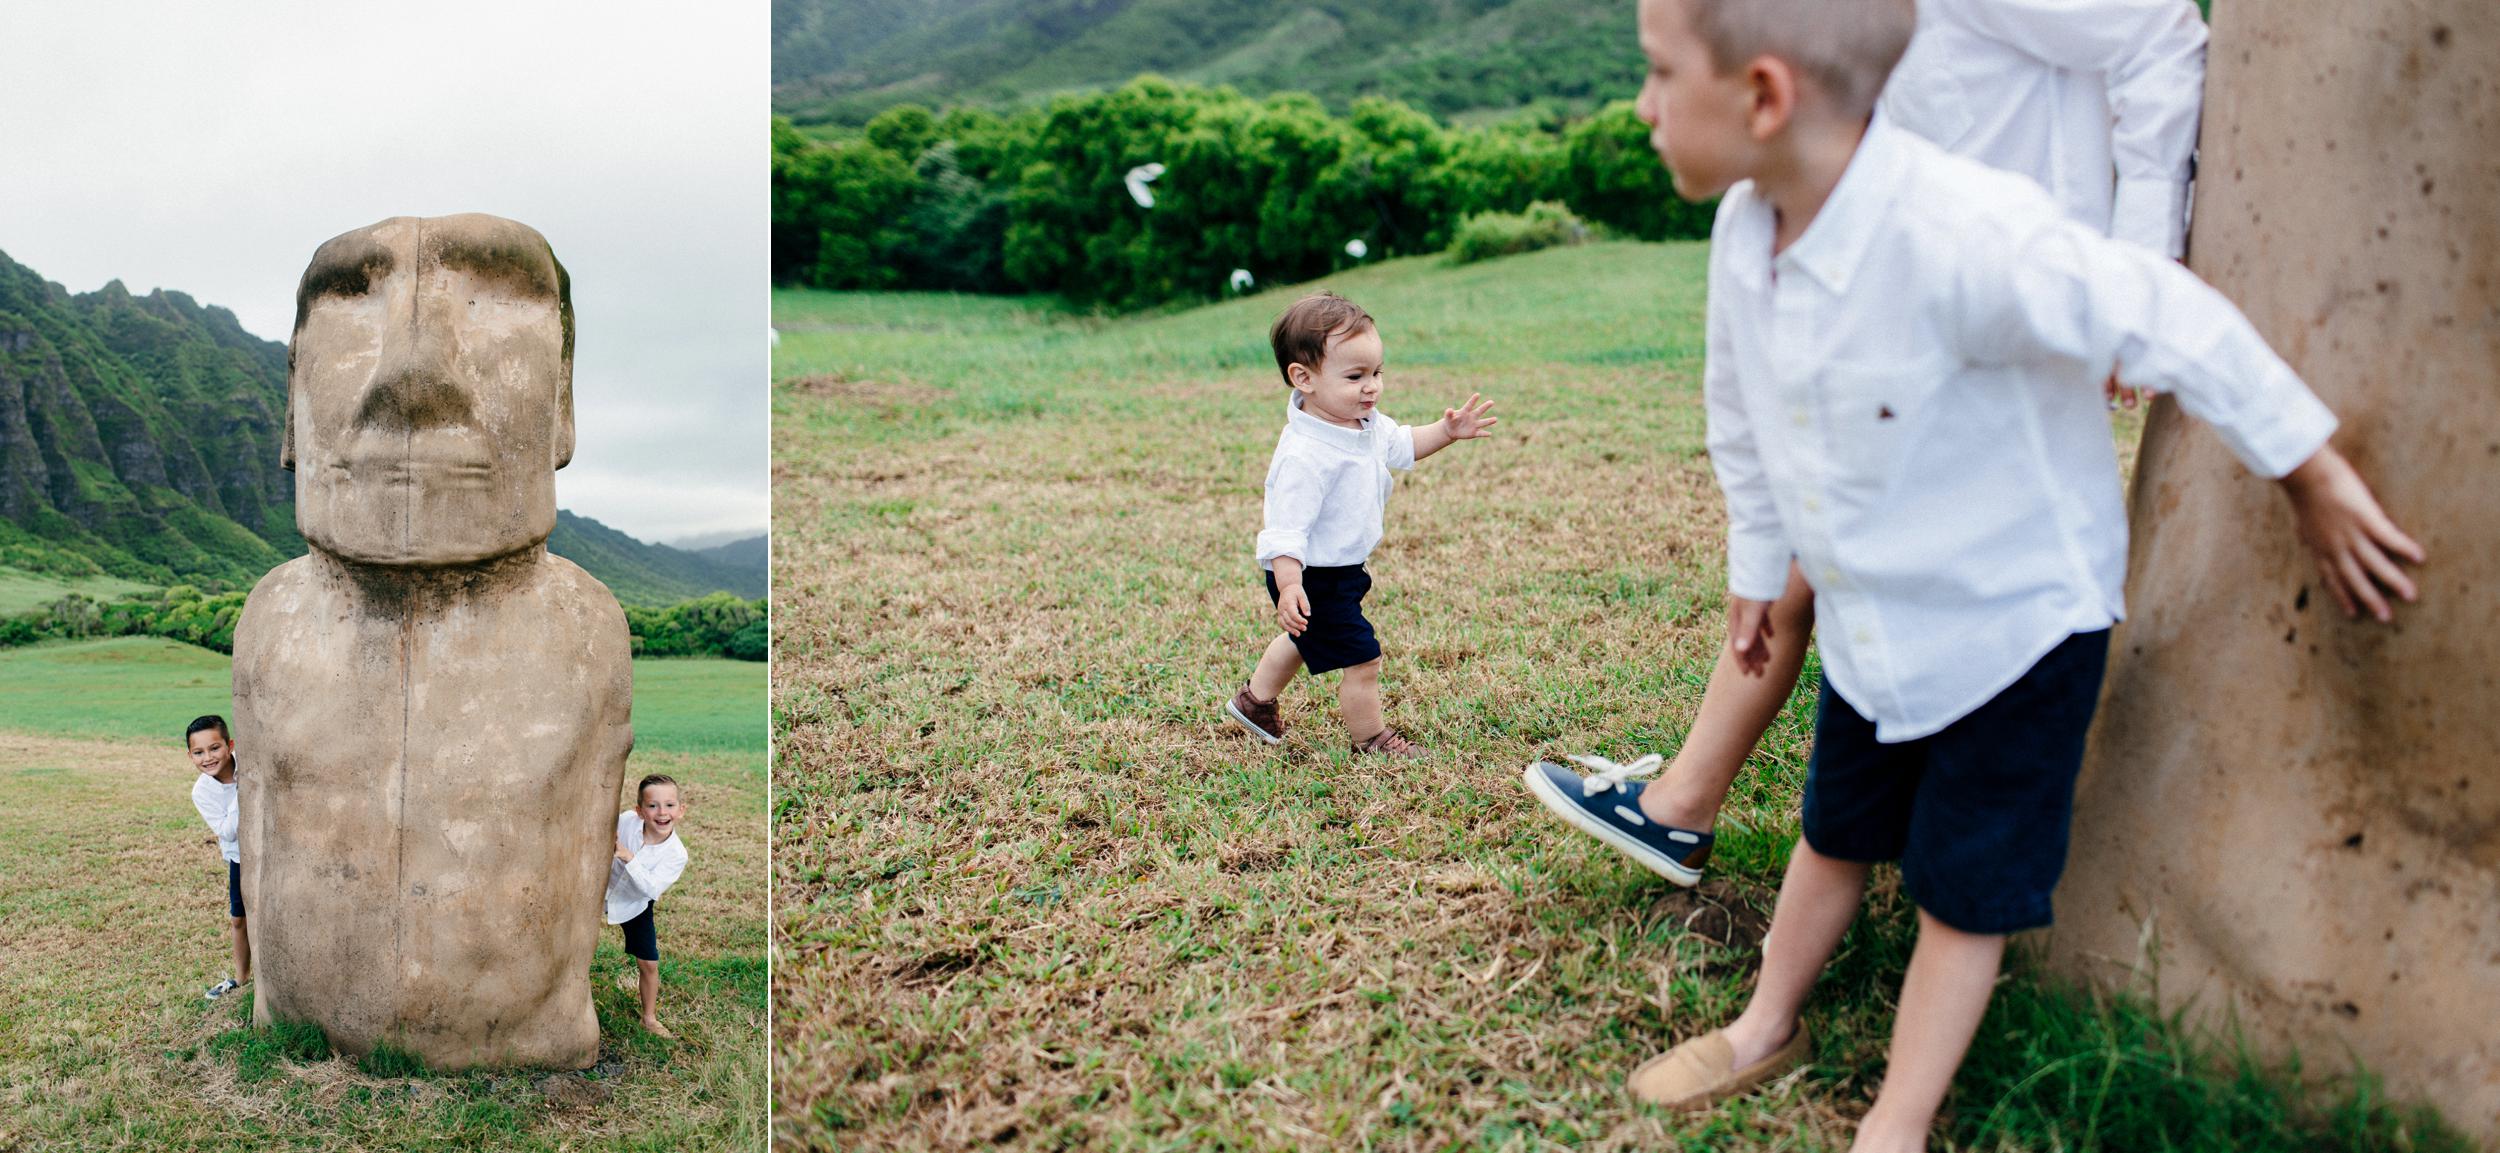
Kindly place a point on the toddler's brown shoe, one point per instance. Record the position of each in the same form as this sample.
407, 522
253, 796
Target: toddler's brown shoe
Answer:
1387, 743
1702, 1072
1259, 718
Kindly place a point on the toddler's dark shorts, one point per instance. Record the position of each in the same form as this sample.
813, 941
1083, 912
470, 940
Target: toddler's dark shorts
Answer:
642, 934
1977, 813
1339, 637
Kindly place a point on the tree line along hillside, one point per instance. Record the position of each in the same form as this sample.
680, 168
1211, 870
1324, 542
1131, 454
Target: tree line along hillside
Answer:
844, 61
1035, 199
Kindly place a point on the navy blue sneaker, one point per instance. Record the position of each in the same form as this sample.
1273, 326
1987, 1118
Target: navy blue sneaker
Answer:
1606, 805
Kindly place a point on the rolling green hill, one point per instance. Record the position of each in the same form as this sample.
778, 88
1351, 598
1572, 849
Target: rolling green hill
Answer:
843, 61
139, 448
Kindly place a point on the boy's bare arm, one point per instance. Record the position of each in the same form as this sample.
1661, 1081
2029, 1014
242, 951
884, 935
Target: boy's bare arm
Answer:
2354, 541
1466, 422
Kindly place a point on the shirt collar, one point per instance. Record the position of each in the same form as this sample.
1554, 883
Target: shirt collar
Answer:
1296, 420
1835, 243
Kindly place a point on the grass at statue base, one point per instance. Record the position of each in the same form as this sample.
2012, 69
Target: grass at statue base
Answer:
112, 922
1031, 888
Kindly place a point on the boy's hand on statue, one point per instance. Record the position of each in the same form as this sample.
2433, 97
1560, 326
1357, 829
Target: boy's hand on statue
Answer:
623, 853
1293, 609
1749, 634
2356, 545
1468, 421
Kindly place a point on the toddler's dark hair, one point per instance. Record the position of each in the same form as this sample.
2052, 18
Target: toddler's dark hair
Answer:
203, 724
656, 779
1301, 335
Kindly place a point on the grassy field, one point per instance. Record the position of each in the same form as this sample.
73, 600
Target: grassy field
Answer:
1031, 891
21, 590
113, 904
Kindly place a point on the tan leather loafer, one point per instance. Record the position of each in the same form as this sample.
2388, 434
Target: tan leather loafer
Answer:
1702, 1072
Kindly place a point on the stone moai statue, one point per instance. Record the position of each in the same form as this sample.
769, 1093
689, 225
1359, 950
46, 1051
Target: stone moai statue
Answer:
2294, 816
437, 708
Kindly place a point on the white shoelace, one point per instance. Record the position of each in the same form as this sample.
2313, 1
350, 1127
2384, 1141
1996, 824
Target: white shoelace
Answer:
1610, 775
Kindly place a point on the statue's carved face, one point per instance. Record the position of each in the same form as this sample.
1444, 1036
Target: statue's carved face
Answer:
430, 391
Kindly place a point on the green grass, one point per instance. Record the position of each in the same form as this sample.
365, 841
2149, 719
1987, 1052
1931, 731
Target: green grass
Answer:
1030, 890
105, 1043
21, 591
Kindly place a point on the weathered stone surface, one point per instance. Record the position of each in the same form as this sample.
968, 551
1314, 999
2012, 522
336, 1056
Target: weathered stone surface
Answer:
2306, 810
438, 708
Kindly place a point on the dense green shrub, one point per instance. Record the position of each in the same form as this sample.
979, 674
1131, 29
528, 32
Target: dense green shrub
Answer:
1489, 234
1034, 200
719, 625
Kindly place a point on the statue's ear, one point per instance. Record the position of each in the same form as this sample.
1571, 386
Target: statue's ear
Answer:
286, 436
564, 417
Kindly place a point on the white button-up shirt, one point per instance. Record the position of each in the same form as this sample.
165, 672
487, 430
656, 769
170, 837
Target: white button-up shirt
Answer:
1908, 402
1327, 486
633, 885
217, 805
2097, 100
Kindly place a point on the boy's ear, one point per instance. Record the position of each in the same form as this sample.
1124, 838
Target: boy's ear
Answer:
1774, 86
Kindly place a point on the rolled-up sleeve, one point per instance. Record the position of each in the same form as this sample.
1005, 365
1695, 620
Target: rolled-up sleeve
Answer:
1397, 444
1294, 493
2071, 295
651, 872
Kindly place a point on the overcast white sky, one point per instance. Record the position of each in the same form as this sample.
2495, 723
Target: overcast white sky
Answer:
209, 148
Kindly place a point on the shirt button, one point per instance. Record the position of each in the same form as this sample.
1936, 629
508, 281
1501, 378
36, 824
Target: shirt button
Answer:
1831, 576
1799, 417
1813, 505
1863, 637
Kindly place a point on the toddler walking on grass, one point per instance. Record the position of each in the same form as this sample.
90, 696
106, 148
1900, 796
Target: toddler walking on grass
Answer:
1326, 488
1904, 364
650, 856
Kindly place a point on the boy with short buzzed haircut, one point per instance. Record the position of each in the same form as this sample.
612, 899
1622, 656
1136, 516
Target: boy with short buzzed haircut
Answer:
1905, 355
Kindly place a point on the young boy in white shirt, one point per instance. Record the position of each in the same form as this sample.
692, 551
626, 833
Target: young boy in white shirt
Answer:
1905, 350
650, 856
213, 793
1326, 488
2098, 101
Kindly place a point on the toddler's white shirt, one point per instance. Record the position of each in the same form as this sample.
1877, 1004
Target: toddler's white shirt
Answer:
219, 807
1327, 486
2096, 99
633, 885
1908, 401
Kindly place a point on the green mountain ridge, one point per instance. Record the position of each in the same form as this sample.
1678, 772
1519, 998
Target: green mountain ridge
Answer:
843, 61
139, 439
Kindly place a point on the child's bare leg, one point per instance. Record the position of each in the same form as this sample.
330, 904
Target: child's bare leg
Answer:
1818, 899
1942, 998
242, 953
1358, 700
1276, 668
1735, 711
651, 997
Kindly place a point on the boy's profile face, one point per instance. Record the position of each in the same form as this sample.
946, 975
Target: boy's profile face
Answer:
211, 752
660, 808
1345, 388
1701, 122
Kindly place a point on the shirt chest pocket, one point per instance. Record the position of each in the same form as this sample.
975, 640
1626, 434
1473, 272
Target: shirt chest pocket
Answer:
1872, 413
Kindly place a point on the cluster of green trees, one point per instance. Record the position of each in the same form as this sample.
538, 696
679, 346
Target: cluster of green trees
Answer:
719, 625
1034, 200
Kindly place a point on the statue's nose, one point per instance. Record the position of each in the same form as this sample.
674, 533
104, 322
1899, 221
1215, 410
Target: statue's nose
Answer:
415, 384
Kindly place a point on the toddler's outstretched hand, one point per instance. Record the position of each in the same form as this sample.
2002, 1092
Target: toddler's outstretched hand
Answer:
2354, 541
1749, 634
1293, 608
1468, 421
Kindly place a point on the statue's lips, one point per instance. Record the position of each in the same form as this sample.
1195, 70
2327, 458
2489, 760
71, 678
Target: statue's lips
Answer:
425, 459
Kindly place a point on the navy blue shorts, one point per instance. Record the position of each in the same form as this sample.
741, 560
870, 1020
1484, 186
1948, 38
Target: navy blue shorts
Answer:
1338, 636
234, 889
642, 934
1978, 813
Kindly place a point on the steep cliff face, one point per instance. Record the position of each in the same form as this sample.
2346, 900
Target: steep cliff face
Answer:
139, 436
